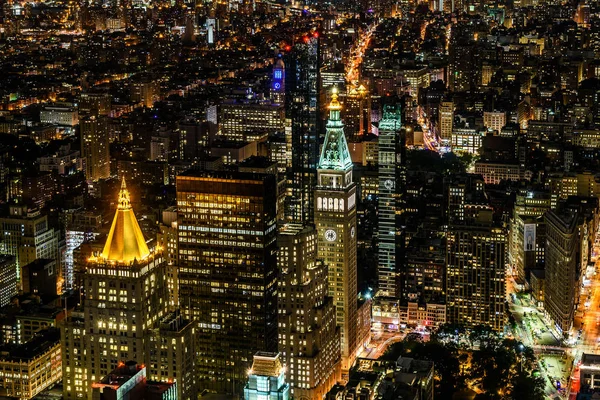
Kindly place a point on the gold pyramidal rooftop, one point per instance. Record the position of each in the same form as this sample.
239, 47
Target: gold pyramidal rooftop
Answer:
125, 242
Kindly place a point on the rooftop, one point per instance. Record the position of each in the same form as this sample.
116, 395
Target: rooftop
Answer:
41, 343
125, 241
266, 364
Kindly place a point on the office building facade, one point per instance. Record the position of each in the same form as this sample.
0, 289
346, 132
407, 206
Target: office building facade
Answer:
125, 303
302, 107
389, 133
227, 270
309, 340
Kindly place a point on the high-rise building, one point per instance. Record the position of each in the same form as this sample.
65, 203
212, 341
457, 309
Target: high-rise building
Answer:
462, 70
8, 279
302, 108
30, 368
446, 120
95, 103
357, 117
466, 196
170, 354
278, 84
526, 241
475, 273
27, 236
228, 270
389, 152
494, 120
425, 277
309, 340
266, 378
475, 256
145, 92
95, 147
40, 277
566, 253
335, 218
124, 309
250, 121
131, 381
81, 227
167, 239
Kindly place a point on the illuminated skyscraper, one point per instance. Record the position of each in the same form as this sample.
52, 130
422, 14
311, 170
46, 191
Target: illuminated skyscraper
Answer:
475, 286
125, 309
266, 379
335, 218
475, 257
8, 279
302, 106
389, 135
563, 245
309, 339
357, 117
278, 84
26, 235
446, 120
228, 270
249, 121
95, 147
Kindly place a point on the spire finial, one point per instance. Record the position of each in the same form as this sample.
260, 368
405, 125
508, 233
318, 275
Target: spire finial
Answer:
335, 104
125, 242
124, 200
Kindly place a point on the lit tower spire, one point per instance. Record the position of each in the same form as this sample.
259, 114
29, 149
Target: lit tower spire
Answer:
335, 154
335, 219
125, 241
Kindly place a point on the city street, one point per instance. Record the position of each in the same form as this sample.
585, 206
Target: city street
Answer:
535, 329
380, 342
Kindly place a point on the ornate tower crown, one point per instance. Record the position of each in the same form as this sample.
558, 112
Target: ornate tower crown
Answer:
125, 241
335, 154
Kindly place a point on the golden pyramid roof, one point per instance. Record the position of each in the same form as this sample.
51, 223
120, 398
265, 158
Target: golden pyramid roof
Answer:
125, 241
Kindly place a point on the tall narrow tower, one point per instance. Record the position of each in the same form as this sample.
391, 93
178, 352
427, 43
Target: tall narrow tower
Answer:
389, 133
335, 218
302, 66
278, 84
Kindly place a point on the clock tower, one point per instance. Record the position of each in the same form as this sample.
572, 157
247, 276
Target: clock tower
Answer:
335, 218
278, 83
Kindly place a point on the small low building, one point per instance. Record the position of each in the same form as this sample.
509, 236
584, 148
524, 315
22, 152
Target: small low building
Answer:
30, 368
589, 375
128, 381
266, 378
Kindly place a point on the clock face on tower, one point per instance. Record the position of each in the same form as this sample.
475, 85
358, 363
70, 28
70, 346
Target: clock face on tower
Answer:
277, 85
330, 235
352, 232
388, 184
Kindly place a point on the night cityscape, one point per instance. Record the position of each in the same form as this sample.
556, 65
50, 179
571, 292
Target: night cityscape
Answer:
299, 200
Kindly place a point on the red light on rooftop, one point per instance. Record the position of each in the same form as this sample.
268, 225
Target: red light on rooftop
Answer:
288, 48
316, 34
